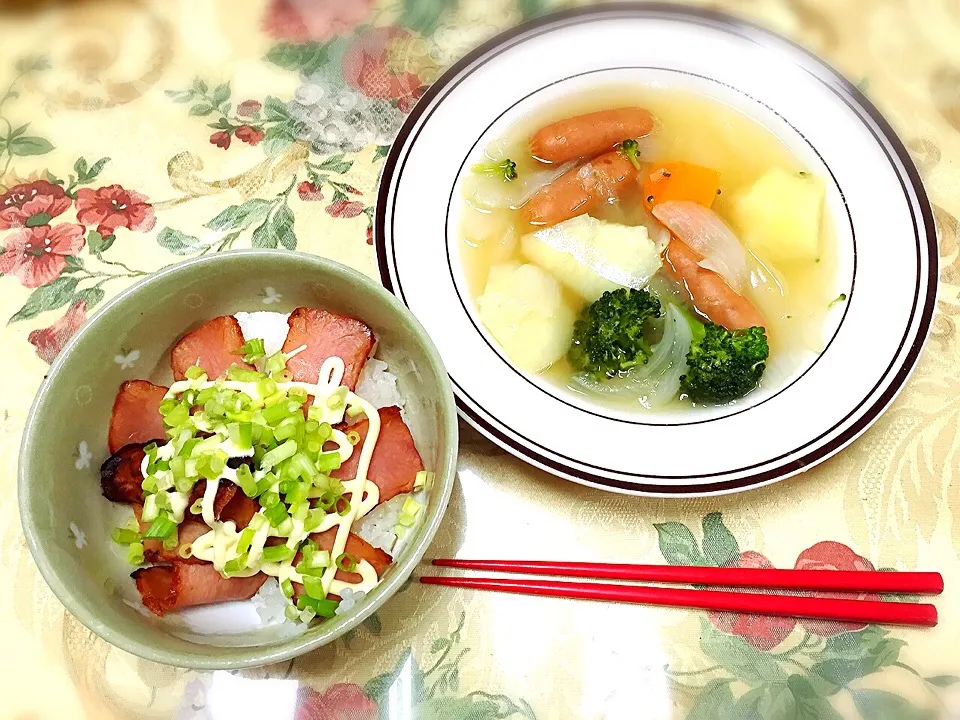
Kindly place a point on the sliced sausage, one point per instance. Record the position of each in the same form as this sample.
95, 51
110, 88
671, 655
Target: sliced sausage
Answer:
395, 462
136, 415
326, 334
709, 292
589, 135
583, 190
211, 346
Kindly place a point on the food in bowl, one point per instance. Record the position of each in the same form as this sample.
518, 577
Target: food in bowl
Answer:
278, 456
648, 248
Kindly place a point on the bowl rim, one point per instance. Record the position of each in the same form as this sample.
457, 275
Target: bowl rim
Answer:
770, 41
254, 656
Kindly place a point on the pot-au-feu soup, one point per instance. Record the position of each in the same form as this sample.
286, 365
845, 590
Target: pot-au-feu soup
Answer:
648, 248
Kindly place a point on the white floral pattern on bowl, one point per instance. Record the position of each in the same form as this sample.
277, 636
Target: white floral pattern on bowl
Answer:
83, 456
127, 358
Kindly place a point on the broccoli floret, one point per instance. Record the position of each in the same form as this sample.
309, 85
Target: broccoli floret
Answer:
608, 336
631, 149
507, 169
724, 365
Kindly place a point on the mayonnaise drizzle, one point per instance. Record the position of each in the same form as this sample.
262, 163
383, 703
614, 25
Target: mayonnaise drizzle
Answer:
220, 543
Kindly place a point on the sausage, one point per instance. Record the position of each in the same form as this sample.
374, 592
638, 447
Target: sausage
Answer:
181, 585
582, 190
136, 415
710, 293
395, 461
589, 135
211, 346
326, 334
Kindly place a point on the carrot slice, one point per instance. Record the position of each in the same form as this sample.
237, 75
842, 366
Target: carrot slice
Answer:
680, 181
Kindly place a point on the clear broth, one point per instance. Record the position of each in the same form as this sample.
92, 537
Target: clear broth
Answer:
795, 297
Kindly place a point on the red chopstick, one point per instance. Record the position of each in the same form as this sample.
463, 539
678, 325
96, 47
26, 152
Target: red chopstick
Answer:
915, 583
861, 611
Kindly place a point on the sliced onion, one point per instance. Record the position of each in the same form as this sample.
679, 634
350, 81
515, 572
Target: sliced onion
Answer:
490, 192
705, 233
656, 383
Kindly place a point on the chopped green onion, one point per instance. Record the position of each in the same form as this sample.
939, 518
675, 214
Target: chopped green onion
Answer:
150, 485
297, 394
305, 568
328, 461
285, 528
236, 565
314, 587
252, 350
240, 374
278, 553
258, 522
343, 507
194, 372
323, 607
171, 541
291, 613
276, 363
185, 551
245, 540
346, 562
177, 416
163, 500
150, 509
408, 512
287, 588
423, 479
266, 387
150, 450
314, 519
276, 514
184, 485
279, 454
268, 499
161, 527
353, 437
307, 614
241, 435
124, 536
337, 398
135, 553
287, 428
284, 376
246, 481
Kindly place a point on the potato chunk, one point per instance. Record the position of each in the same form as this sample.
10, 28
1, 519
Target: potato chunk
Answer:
779, 216
523, 308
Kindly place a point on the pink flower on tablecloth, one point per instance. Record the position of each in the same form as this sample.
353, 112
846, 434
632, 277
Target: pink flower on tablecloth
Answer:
343, 701
50, 341
38, 255
370, 235
304, 21
366, 66
761, 631
344, 209
309, 191
27, 200
249, 134
221, 139
830, 555
249, 108
113, 207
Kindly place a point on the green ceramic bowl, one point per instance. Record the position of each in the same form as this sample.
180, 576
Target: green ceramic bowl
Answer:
67, 522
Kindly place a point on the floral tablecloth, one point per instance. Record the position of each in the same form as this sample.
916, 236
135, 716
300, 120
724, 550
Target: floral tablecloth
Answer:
135, 133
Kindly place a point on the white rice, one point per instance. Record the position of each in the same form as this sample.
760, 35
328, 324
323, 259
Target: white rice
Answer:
378, 385
271, 327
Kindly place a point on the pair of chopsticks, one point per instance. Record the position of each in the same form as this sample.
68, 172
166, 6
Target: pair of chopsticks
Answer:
841, 609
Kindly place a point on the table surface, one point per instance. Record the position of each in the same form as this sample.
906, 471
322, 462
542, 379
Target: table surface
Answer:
188, 100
